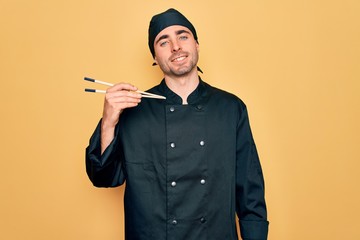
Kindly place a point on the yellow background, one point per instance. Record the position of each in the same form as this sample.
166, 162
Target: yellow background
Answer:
296, 64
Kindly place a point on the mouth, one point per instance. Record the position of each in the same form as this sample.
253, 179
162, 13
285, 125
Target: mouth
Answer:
179, 58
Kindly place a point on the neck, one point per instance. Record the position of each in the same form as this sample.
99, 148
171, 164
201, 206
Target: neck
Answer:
183, 85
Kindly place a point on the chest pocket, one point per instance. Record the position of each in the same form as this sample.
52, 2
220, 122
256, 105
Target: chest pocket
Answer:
140, 176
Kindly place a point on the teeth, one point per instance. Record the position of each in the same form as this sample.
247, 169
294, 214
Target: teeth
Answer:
178, 59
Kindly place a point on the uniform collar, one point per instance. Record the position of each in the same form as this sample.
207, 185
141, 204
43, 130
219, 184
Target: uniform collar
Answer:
194, 97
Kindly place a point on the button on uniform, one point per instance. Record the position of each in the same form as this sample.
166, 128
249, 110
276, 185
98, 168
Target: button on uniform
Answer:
188, 175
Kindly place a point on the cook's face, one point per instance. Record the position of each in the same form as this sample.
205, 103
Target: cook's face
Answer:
176, 51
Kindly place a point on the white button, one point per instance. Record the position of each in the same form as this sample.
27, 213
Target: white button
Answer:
173, 184
174, 222
172, 109
202, 181
202, 143
172, 145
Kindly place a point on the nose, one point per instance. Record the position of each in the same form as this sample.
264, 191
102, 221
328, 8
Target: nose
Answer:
175, 46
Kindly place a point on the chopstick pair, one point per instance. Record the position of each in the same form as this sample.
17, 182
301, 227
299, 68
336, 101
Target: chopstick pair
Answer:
143, 94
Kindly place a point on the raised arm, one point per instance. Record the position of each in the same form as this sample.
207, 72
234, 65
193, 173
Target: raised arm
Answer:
104, 155
117, 98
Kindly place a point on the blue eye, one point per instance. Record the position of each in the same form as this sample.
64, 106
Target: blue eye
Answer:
183, 37
162, 44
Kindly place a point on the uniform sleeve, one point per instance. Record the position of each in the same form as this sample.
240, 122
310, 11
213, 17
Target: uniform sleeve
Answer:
104, 170
250, 188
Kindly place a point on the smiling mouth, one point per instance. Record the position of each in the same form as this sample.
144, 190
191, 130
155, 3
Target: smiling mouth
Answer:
178, 59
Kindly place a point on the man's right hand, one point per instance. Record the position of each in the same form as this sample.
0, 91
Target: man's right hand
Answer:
117, 98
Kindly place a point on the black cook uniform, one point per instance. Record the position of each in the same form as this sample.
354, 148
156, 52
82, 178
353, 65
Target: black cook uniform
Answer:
188, 168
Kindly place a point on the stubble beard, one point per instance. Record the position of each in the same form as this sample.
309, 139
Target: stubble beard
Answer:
182, 70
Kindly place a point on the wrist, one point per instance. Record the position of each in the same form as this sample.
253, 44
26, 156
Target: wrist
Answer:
107, 126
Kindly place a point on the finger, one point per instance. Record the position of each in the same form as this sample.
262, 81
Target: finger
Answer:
129, 105
123, 99
122, 94
118, 107
122, 86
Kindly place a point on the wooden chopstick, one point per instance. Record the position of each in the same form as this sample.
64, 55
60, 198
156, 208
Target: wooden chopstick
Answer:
143, 94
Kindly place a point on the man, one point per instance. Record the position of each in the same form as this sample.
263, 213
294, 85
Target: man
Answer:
189, 162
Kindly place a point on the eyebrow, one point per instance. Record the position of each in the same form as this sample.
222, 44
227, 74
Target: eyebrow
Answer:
165, 36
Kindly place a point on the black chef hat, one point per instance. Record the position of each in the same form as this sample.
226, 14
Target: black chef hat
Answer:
166, 19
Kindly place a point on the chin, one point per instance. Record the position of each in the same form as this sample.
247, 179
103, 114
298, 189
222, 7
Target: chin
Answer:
181, 71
